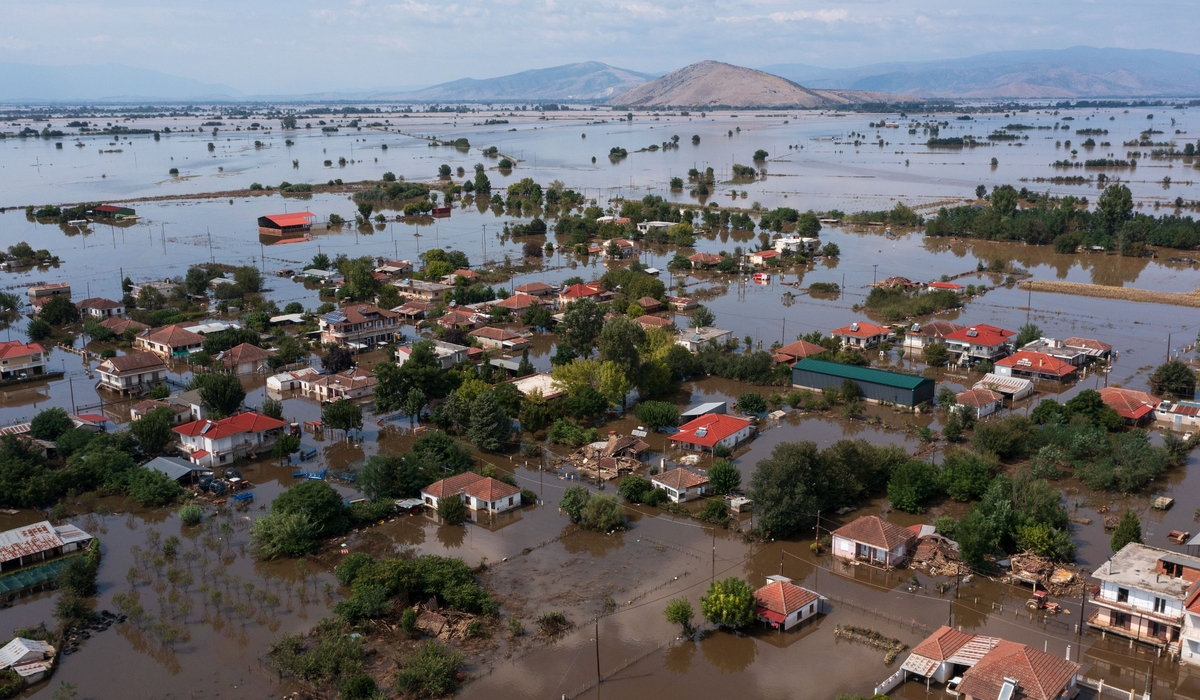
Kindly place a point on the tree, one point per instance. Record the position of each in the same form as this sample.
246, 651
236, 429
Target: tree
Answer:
1089, 404
702, 317
581, 325
573, 501
911, 485
535, 413
221, 394
320, 261
603, 514
58, 310
752, 402
1175, 378
679, 612
1129, 529
319, 501
390, 387
965, 475
525, 367
724, 477
657, 414
936, 355
1027, 334
50, 424
786, 487
342, 415
619, 341
1114, 207
490, 427
452, 509
248, 279
38, 330
634, 488
414, 401
273, 408
729, 603
153, 430
284, 534
151, 299
285, 445
338, 359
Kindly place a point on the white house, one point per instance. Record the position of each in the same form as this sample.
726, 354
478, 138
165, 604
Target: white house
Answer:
478, 492
922, 335
499, 339
981, 342
1142, 593
796, 244
245, 359
783, 604
290, 381
646, 226
19, 359
873, 540
861, 335
696, 338
99, 307
981, 402
1180, 415
354, 383
210, 443
137, 372
762, 257
706, 432
680, 484
28, 658
447, 354
946, 652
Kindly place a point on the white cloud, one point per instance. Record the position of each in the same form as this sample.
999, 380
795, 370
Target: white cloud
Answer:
802, 15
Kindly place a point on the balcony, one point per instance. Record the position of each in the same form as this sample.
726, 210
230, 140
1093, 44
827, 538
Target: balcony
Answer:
1173, 620
1133, 628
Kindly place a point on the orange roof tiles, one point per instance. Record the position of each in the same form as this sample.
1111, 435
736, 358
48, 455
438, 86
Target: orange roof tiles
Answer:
986, 335
865, 330
1127, 402
715, 427
1039, 676
15, 348
784, 598
679, 479
1024, 360
248, 422
875, 531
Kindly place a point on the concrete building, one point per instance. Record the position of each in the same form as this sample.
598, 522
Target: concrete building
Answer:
420, 290
447, 354
680, 484
170, 342
579, 291
978, 343
990, 668
537, 289
695, 338
99, 307
922, 335
981, 402
19, 359
354, 383
45, 291
359, 326
541, 382
179, 414
873, 540
861, 335
163, 287
291, 381
707, 432
946, 653
796, 244
783, 605
763, 257
476, 491
245, 359
211, 443
499, 339
1179, 415
876, 384
1141, 596
135, 373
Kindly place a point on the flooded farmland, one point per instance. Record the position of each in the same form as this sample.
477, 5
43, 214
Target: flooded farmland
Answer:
206, 634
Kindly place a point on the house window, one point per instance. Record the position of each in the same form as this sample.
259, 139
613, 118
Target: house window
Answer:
510, 501
1122, 595
1160, 605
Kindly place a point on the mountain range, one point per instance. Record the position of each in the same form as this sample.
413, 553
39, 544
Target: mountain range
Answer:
1077, 72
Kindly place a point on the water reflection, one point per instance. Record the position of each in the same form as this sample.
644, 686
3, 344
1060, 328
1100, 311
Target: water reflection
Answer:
728, 652
678, 656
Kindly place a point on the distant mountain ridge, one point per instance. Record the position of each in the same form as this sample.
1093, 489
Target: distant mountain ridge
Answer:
712, 83
590, 80
1076, 72
22, 82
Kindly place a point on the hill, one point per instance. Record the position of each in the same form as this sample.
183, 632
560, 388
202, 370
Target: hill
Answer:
1080, 71
590, 80
711, 83
21, 82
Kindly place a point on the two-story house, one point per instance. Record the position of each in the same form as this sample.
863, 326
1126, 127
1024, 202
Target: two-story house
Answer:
445, 354
861, 335
354, 383
19, 359
210, 443
99, 307
133, 373
172, 341
359, 326
978, 343
1141, 595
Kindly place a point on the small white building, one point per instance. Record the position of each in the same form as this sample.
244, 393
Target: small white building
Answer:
19, 359
324, 276
796, 244
695, 338
28, 658
981, 402
245, 359
478, 492
648, 226
1179, 415
680, 484
873, 540
783, 605
99, 307
291, 381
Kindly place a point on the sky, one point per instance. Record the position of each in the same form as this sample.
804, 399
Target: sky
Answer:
302, 46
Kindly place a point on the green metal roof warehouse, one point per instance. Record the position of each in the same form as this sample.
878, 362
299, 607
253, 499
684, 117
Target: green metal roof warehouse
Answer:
876, 384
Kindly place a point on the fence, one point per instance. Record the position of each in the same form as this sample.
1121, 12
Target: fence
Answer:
892, 681
909, 622
1105, 691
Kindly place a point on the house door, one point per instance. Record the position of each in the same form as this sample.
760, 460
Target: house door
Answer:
862, 551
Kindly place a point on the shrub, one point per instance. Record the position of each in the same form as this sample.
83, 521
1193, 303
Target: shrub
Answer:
724, 477
452, 510
358, 687
679, 612
573, 501
283, 534
729, 603
430, 673
714, 511
634, 488
191, 514
965, 475
603, 514
326, 654
1129, 529
752, 402
656, 497
912, 483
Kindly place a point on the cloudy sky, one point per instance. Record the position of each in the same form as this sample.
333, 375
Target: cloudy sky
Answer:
277, 46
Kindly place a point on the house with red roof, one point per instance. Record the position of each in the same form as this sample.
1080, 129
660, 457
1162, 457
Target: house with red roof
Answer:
19, 359
705, 433
873, 540
359, 326
922, 335
1012, 671
1179, 414
99, 307
981, 402
1091, 347
762, 257
209, 443
681, 484
537, 289
948, 286
284, 224
797, 351
702, 260
517, 303
245, 359
978, 343
1035, 365
647, 321
783, 605
499, 339
476, 491
1136, 407
579, 291
171, 341
861, 335
947, 653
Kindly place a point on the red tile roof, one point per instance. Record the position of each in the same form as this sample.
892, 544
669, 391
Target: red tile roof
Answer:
943, 643
120, 325
1088, 344
1024, 360
705, 258
452, 484
765, 254
492, 333
934, 329
580, 291
518, 302
1039, 676
654, 321
489, 489
799, 350
865, 330
875, 531
783, 598
534, 287
1128, 403
945, 285
243, 353
248, 422
715, 426
15, 348
135, 362
98, 303
990, 336
978, 398
679, 479
173, 336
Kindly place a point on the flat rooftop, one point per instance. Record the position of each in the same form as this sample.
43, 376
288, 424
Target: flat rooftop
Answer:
1136, 566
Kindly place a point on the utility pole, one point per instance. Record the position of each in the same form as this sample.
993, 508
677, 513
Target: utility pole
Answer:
598, 678
875, 275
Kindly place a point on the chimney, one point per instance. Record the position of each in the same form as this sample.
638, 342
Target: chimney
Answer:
1108, 567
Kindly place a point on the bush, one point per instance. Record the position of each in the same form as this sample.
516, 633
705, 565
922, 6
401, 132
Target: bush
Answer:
573, 500
656, 497
1129, 529
714, 511
729, 603
965, 475
358, 687
325, 655
452, 510
50, 424
657, 414
679, 612
191, 514
430, 673
752, 403
634, 488
912, 483
603, 514
724, 477
284, 534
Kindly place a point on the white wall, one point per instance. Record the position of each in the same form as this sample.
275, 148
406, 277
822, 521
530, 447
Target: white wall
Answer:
1142, 600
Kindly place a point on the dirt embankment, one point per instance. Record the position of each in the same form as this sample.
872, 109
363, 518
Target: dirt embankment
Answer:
1191, 299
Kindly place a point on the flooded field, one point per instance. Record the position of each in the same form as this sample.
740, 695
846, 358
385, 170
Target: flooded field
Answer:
193, 643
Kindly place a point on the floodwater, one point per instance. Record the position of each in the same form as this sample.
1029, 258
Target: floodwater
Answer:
536, 562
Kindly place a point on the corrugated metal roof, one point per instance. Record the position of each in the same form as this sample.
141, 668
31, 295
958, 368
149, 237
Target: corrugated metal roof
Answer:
863, 374
705, 409
31, 539
1003, 384
173, 467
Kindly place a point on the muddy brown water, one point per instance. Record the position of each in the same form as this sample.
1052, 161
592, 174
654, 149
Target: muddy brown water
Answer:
536, 561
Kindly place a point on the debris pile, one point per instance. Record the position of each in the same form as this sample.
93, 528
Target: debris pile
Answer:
1040, 572
939, 557
620, 454
442, 624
